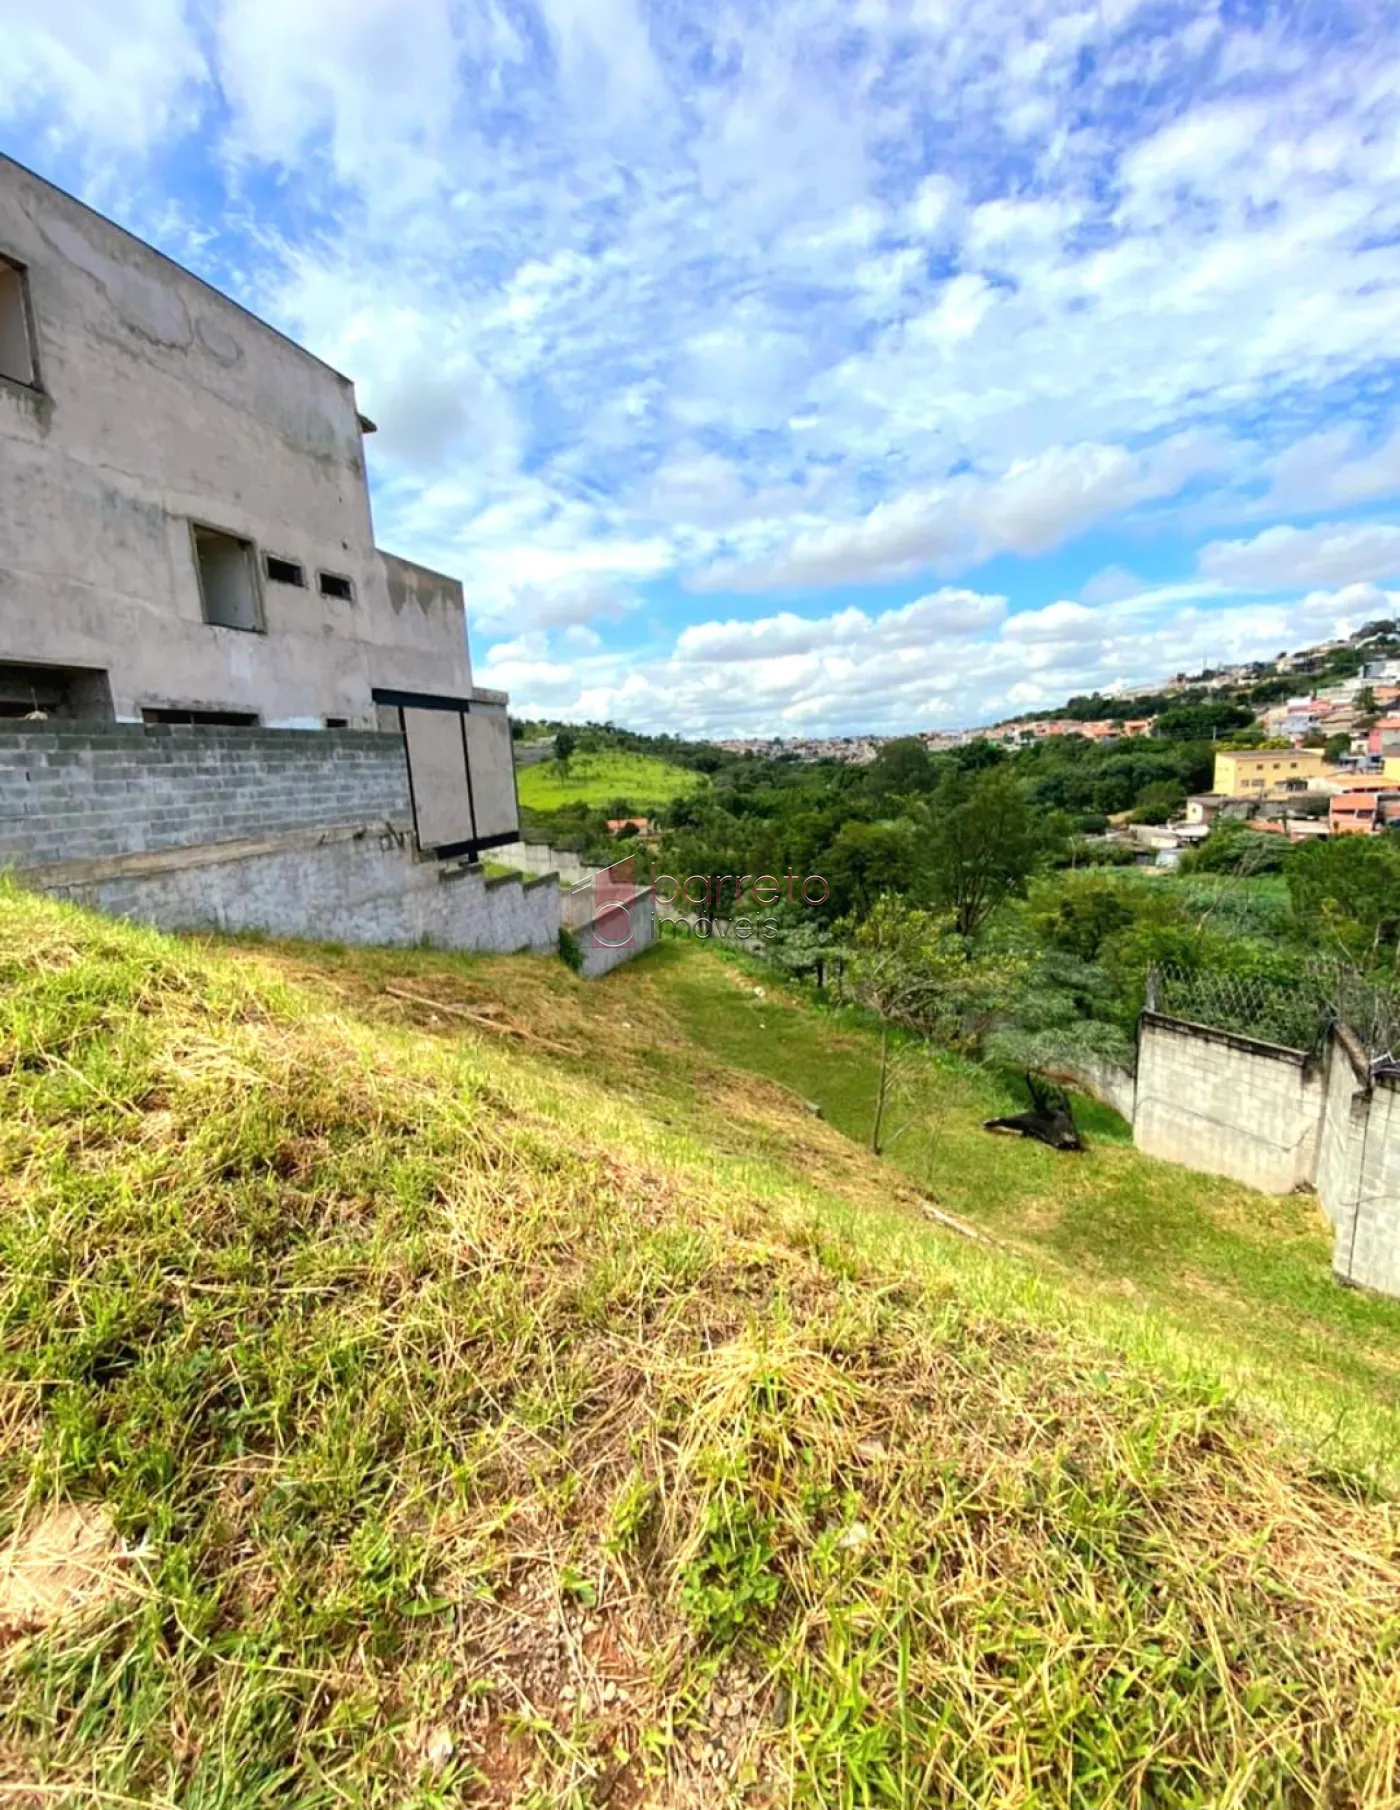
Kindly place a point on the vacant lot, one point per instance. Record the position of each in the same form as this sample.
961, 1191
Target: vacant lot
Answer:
543, 1408
601, 780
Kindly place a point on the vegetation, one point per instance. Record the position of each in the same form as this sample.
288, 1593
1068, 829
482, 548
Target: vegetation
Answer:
613, 780
566, 1417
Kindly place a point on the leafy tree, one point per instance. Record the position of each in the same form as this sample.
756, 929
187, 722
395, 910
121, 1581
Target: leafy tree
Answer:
565, 741
864, 861
1198, 722
1346, 891
900, 769
1078, 914
1232, 847
912, 968
1336, 746
1160, 802
983, 845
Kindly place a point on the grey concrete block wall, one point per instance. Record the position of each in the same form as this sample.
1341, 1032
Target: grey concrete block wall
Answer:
339, 886
1271, 1118
1359, 1177
1346, 1112
1226, 1104
75, 792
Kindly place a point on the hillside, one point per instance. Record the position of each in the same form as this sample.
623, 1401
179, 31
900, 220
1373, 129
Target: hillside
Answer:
604, 779
560, 1414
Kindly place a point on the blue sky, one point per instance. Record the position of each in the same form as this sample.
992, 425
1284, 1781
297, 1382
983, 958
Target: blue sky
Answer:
802, 366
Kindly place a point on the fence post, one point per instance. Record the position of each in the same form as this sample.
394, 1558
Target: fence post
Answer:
1151, 999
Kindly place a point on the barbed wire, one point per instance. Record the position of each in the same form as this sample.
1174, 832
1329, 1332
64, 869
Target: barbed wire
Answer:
1295, 1012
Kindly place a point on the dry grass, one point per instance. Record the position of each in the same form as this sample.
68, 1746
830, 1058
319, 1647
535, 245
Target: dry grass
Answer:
483, 1433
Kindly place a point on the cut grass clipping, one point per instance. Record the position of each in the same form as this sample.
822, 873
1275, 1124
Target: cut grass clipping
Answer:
459, 1435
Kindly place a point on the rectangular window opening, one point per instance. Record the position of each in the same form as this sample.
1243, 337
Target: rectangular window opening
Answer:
333, 585
40, 692
17, 356
228, 586
337, 722
285, 571
224, 719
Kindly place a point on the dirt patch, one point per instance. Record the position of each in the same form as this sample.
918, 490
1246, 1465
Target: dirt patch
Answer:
71, 1560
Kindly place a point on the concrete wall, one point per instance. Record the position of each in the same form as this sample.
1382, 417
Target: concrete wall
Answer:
160, 404
90, 791
1346, 1106
540, 858
1274, 1119
621, 931
1358, 1171
336, 885
1226, 1104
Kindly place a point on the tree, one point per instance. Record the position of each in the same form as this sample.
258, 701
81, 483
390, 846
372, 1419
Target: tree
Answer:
1160, 802
1336, 746
865, 860
565, 741
983, 845
1348, 889
1199, 722
912, 968
901, 768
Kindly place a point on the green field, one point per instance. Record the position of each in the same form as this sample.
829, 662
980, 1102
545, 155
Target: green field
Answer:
600, 780
433, 1380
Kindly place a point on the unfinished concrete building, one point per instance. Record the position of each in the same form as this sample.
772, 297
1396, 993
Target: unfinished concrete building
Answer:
201, 648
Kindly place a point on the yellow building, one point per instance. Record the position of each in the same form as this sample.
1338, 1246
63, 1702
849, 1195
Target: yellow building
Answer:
1392, 766
1256, 772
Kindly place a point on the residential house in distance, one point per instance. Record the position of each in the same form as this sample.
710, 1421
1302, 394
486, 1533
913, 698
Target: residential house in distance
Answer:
223, 704
1265, 772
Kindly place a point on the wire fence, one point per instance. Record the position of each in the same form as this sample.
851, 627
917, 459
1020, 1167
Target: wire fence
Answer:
1295, 1012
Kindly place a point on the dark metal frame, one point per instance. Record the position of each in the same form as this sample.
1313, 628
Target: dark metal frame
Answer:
425, 700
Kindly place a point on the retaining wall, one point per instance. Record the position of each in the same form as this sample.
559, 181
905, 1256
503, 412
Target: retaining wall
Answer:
345, 884
1277, 1119
540, 858
619, 932
1227, 1104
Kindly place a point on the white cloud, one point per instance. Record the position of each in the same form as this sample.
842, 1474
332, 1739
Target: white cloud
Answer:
1335, 553
1034, 505
801, 296
116, 76
940, 615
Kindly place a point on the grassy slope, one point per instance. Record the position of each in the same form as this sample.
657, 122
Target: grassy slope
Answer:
606, 1420
1248, 1273
598, 779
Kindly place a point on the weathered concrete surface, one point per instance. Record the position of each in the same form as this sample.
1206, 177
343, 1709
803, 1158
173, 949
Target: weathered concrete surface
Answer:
1277, 1120
622, 930
1227, 1104
160, 404
342, 884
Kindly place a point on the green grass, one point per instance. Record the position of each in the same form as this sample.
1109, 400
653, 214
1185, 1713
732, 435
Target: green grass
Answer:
598, 780
1249, 1274
570, 1418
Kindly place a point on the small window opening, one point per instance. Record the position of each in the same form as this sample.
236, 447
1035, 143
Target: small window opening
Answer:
227, 585
285, 571
225, 719
17, 360
333, 585
337, 722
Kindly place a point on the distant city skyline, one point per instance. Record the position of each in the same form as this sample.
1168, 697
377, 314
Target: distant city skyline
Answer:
817, 368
